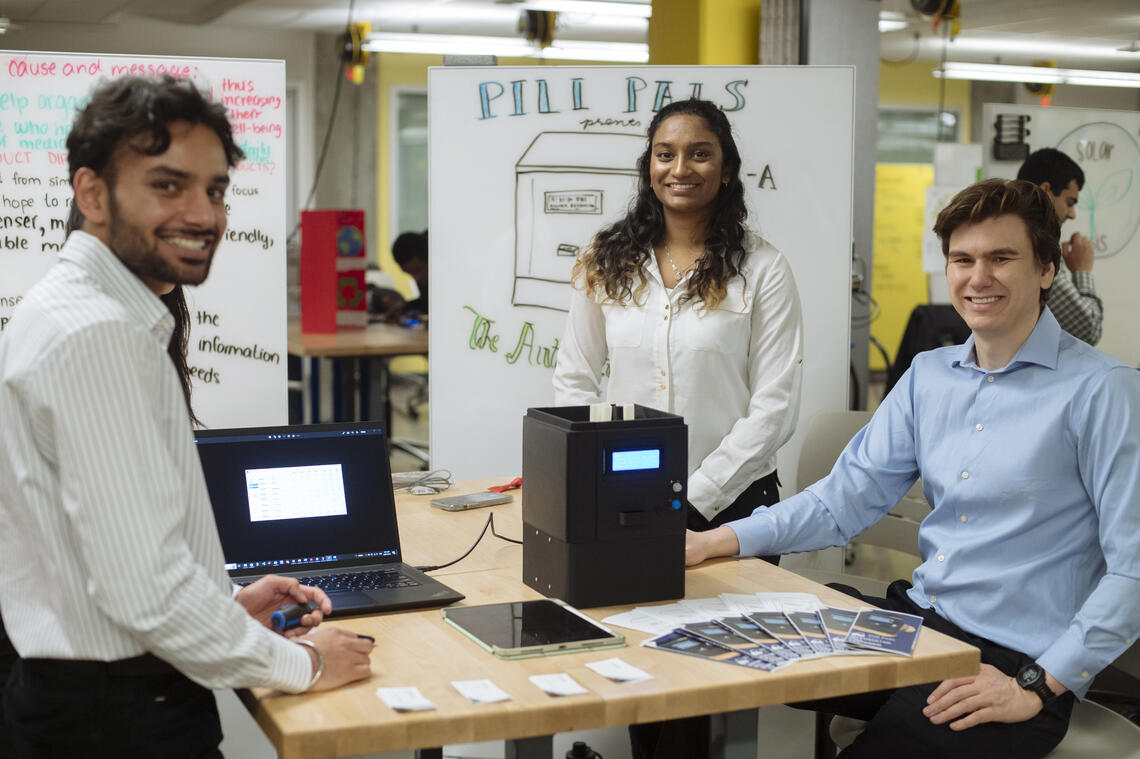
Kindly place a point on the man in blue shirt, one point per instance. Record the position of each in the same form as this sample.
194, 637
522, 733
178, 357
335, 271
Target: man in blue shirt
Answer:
1028, 444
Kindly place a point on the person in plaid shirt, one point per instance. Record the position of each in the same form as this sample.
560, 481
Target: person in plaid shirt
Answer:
1073, 299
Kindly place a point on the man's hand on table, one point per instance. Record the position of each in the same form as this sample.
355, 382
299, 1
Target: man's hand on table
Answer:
989, 696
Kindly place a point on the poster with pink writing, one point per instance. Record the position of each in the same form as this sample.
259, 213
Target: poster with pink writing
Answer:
237, 347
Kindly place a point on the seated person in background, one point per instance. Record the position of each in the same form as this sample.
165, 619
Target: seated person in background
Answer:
1028, 444
1073, 299
411, 252
383, 299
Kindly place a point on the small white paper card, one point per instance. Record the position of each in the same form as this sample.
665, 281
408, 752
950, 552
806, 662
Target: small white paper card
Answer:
560, 684
481, 691
407, 699
618, 670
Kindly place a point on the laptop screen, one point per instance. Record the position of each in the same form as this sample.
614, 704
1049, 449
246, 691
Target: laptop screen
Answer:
300, 498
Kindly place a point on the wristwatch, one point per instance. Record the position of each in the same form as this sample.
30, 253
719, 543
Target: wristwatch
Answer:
1032, 678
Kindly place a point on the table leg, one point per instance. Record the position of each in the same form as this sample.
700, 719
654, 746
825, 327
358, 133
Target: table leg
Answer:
364, 391
429, 753
541, 747
311, 397
383, 379
338, 381
733, 735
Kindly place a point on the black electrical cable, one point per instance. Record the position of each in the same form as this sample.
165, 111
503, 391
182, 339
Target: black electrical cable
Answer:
489, 523
875, 311
328, 133
882, 352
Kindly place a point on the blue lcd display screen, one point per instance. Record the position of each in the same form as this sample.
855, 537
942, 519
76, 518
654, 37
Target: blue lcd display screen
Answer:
635, 461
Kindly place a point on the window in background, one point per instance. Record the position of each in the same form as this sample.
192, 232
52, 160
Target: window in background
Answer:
908, 135
409, 177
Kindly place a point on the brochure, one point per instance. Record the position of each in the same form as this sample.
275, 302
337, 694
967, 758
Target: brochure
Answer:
890, 631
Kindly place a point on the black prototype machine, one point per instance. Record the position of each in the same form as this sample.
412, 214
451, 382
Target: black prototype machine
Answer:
604, 505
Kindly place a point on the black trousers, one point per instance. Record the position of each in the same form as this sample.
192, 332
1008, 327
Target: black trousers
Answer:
689, 738
60, 709
897, 727
8, 659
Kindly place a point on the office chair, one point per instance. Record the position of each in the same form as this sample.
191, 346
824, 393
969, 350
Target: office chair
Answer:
1094, 730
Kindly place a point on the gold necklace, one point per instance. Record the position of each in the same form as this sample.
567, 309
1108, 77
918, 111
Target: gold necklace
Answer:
676, 272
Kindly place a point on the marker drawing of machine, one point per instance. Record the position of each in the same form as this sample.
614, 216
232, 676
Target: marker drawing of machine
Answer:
568, 185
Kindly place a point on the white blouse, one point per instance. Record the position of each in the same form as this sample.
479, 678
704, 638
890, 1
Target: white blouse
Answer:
733, 373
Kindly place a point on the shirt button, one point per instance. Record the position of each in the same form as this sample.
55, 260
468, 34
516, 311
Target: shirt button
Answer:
942, 558
1085, 675
978, 427
662, 387
934, 599
989, 378
666, 318
662, 372
666, 306
965, 475
963, 517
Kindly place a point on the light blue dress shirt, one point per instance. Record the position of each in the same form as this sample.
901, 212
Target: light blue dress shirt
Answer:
1033, 473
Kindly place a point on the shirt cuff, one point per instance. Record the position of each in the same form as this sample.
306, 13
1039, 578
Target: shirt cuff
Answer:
1083, 281
292, 667
1071, 663
706, 497
755, 533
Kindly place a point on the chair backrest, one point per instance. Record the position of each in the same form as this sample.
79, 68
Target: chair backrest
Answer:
825, 438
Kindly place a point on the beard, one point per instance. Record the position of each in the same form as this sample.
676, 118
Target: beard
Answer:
130, 244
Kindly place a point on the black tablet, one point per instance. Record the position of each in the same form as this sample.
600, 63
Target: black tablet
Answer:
531, 628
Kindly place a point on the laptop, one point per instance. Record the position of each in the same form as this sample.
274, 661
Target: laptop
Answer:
314, 502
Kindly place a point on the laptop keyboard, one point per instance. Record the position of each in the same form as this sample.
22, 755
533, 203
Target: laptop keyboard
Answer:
376, 579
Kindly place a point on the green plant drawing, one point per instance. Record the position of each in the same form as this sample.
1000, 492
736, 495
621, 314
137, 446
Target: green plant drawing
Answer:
1110, 192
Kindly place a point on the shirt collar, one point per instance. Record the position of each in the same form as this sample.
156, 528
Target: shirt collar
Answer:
1041, 347
91, 255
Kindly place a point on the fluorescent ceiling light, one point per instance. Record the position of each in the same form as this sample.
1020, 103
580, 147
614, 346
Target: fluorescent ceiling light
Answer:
996, 72
590, 7
456, 44
1050, 48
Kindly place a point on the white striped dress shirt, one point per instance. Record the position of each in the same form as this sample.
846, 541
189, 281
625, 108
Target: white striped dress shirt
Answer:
108, 547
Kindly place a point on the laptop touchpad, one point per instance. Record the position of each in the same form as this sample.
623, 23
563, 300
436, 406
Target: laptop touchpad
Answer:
349, 599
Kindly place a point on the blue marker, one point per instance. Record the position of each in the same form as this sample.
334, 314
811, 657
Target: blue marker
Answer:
288, 617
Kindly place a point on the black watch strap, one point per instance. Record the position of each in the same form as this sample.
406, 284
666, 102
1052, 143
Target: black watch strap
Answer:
1031, 677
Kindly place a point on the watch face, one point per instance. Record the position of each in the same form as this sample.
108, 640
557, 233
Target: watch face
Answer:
1028, 675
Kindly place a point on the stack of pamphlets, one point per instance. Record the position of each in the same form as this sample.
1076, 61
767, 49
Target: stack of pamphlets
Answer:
768, 631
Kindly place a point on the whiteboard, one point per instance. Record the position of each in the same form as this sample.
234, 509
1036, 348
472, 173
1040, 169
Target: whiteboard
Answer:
237, 347
527, 163
1106, 145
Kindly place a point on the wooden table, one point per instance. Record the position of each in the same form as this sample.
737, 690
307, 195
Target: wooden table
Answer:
352, 383
417, 648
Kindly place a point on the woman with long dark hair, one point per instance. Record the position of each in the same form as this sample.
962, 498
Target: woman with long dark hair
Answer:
695, 314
